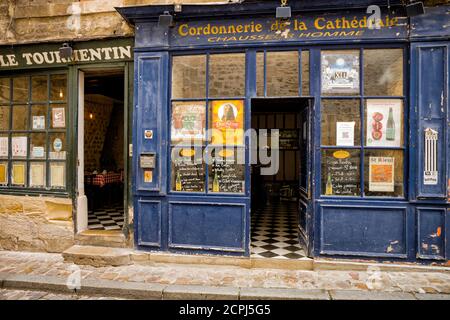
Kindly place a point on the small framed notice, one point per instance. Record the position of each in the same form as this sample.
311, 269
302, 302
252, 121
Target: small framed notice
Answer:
18, 174
58, 118
4, 147
38, 122
19, 146
345, 133
37, 174
57, 175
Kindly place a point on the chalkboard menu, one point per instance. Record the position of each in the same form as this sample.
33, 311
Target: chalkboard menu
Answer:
226, 176
288, 139
188, 175
341, 176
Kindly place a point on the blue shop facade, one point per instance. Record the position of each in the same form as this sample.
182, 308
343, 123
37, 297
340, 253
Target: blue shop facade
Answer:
361, 114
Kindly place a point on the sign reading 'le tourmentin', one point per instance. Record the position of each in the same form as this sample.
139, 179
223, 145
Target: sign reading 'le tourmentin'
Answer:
305, 27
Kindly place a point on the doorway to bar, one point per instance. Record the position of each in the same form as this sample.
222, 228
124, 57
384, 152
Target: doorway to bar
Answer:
275, 194
103, 156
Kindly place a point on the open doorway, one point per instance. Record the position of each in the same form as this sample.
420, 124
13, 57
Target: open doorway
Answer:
275, 214
103, 154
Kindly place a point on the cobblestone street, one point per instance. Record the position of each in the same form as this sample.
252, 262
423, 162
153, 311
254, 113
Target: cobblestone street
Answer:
45, 264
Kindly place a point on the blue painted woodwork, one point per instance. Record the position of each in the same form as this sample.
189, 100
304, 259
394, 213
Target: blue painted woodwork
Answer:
384, 228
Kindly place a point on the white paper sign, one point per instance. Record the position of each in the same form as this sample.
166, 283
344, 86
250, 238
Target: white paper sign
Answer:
3, 146
38, 122
383, 127
19, 146
345, 133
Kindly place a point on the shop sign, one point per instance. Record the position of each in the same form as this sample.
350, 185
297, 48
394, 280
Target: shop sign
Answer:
309, 26
29, 56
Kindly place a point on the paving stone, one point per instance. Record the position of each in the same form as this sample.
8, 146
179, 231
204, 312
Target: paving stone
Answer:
369, 295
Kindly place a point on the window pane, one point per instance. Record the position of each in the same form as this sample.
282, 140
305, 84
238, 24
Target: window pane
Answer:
38, 145
39, 88
4, 146
58, 87
383, 173
3, 173
384, 122
57, 175
189, 77
227, 75
305, 73
19, 145
188, 121
282, 73
5, 87
383, 72
341, 122
57, 146
37, 175
38, 117
341, 172
4, 118
20, 118
188, 169
20, 89
226, 122
18, 173
227, 170
340, 72
58, 115
260, 74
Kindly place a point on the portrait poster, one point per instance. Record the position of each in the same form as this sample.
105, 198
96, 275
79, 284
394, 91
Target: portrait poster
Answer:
381, 174
188, 121
58, 118
18, 174
37, 174
57, 175
340, 72
4, 147
345, 133
3, 173
227, 122
384, 124
19, 146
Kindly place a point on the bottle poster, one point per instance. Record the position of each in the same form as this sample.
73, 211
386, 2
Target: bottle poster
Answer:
188, 121
227, 122
340, 72
384, 123
381, 174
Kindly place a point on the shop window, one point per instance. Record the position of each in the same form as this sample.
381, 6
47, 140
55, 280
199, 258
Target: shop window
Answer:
383, 72
361, 135
207, 134
278, 73
33, 130
188, 77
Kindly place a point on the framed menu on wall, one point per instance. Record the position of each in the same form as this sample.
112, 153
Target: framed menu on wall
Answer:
188, 121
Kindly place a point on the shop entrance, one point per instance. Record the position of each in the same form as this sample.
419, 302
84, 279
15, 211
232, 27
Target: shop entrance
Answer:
275, 209
101, 133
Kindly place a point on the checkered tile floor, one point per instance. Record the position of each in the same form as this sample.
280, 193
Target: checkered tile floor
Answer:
110, 218
274, 232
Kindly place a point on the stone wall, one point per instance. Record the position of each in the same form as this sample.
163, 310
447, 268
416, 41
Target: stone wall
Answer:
35, 223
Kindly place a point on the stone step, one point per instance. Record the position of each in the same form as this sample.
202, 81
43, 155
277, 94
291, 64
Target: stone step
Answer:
97, 256
102, 238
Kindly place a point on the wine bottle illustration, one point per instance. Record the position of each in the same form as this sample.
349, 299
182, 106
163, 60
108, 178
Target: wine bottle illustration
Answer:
390, 126
216, 182
329, 186
178, 185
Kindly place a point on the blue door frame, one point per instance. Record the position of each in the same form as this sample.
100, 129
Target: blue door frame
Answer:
414, 228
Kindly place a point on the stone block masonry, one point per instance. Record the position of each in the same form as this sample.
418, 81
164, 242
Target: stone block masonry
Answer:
36, 223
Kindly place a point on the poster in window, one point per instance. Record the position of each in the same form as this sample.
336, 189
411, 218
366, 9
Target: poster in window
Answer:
188, 121
18, 174
3, 173
19, 146
345, 133
383, 127
37, 174
340, 72
57, 175
381, 174
38, 122
58, 118
4, 147
227, 122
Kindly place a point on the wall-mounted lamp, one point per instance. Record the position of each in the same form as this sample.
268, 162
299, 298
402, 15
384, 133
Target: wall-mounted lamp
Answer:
65, 51
177, 7
91, 116
165, 20
284, 11
415, 9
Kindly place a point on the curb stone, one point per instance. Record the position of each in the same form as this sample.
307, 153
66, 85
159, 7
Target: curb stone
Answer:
370, 295
283, 294
191, 292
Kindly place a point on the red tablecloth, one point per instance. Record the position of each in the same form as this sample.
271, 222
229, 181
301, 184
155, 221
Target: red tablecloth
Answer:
103, 179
